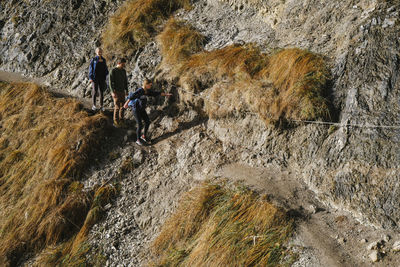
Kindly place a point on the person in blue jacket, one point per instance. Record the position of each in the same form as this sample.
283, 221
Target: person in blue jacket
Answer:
137, 101
98, 72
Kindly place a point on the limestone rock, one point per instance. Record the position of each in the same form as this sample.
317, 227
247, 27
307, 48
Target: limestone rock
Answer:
353, 166
386, 238
374, 256
396, 246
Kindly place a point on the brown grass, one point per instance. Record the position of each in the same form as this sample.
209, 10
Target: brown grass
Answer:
45, 146
135, 23
60, 255
74, 251
301, 77
178, 42
288, 83
214, 226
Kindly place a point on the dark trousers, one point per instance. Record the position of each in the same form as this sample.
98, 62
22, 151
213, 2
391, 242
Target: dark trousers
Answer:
98, 87
141, 115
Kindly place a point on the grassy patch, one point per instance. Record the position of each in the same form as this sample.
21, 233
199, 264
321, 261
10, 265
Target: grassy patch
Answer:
74, 251
288, 83
45, 146
178, 42
301, 77
214, 226
135, 23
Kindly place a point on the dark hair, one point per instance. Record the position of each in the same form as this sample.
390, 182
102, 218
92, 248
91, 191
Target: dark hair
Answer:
121, 60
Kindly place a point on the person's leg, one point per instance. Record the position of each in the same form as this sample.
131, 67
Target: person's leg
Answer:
116, 109
95, 85
146, 123
139, 125
102, 88
121, 109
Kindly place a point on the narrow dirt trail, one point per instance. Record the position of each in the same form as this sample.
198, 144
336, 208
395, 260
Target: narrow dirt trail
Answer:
18, 77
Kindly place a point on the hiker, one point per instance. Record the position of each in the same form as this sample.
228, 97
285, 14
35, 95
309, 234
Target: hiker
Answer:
98, 72
119, 90
137, 101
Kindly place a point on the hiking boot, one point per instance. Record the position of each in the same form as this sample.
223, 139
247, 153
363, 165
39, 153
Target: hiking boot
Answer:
144, 138
139, 142
94, 108
116, 124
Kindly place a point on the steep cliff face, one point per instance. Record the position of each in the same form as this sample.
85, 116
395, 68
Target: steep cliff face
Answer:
52, 39
353, 164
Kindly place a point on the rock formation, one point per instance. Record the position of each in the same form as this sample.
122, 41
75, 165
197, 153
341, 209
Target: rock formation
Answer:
352, 164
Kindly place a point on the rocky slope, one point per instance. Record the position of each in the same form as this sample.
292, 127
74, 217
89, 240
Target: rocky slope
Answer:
53, 39
353, 168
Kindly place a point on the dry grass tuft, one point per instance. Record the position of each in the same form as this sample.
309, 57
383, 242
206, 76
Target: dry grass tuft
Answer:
45, 146
288, 83
74, 251
102, 197
214, 227
60, 255
301, 77
135, 23
234, 61
178, 42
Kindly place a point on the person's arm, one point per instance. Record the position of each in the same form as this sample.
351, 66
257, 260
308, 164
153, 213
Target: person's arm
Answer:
105, 62
126, 84
166, 94
112, 83
91, 70
126, 104
157, 93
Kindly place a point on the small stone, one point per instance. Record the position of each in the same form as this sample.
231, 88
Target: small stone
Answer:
138, 213
396, 246
342, 240
312, 209
373, 245
138, 157
363, 241
374, 256
141, 200
386, 238
126, 230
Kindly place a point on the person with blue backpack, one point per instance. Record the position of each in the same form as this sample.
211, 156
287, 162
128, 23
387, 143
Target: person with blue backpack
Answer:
98, 72
137, 101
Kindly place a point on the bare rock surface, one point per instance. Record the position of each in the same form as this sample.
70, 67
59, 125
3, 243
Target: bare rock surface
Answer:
340, 182
52, 40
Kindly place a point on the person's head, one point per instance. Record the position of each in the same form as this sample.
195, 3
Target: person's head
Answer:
147, 83
121, 62
99, 51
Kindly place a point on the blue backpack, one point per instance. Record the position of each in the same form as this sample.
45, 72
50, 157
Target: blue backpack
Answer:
138, 103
